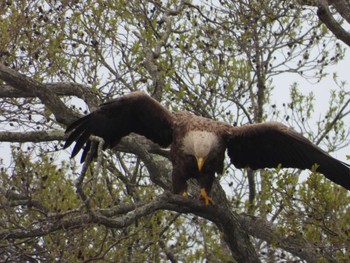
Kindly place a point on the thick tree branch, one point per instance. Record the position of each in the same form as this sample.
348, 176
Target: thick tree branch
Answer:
227, 220
295, 243
236, 227
36, 136
326, 17
60, 89
62, 113
343, 7
159, 174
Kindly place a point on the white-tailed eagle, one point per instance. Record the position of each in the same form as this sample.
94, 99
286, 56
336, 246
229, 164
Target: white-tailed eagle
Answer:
198, 144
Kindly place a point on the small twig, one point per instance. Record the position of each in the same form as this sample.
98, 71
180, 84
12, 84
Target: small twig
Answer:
101, 143
80, 180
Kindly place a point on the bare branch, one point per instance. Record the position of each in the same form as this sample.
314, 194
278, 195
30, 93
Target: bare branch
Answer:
151, 56
158, 172
62, 113
235, 227
59, 88
36, 136
331, 124
326, 17
343, 7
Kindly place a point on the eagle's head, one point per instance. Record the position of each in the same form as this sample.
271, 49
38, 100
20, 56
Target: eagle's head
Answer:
202, 145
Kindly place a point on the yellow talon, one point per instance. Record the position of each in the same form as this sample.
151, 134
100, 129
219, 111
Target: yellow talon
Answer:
205, 197
184, 194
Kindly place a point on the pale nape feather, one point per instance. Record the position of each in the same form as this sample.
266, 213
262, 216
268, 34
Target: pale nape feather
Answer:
200, 143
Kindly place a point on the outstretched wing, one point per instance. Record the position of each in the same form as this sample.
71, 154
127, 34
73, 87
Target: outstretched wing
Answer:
136, 112
269, 144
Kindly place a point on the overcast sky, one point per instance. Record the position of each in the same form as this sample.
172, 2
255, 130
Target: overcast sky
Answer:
321, 91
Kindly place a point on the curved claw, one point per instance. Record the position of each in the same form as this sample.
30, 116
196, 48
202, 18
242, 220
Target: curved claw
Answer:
184, 194
204, 196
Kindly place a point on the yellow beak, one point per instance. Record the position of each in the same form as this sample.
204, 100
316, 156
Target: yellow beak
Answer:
200, 163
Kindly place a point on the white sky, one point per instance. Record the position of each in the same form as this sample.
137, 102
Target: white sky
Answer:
321, 91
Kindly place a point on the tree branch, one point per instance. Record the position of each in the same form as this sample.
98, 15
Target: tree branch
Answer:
326, 17
36, 136
151, 56
236, 227
159, 173
18, 81
343, 7
60, 89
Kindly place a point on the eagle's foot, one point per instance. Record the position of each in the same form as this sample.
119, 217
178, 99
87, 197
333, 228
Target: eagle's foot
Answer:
184, 194
204, 196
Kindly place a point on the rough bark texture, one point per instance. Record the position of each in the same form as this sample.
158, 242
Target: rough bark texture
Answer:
18, 81
325, 15
236, 227
327, 18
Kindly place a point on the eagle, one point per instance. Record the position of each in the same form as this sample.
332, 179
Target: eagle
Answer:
198, 144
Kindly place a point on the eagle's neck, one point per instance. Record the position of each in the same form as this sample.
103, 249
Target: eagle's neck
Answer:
200, 143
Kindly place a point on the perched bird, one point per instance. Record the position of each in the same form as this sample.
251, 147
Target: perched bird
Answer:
198, 144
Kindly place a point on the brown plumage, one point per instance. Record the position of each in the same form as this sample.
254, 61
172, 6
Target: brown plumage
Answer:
198, 144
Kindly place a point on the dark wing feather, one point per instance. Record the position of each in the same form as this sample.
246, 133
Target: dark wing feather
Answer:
270, 144
78, 127
136, 112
